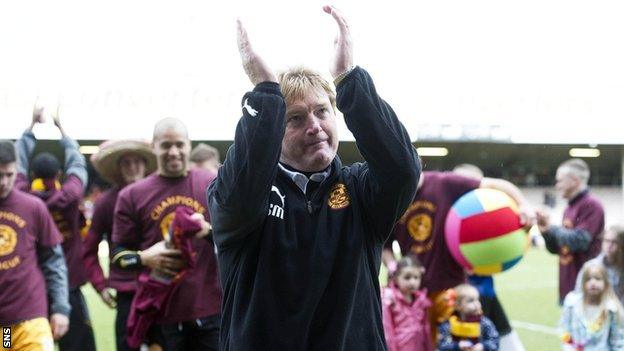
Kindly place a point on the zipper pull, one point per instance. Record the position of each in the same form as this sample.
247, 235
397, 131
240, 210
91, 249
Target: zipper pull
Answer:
309, 207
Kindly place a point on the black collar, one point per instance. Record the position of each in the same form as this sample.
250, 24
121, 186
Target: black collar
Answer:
578, 196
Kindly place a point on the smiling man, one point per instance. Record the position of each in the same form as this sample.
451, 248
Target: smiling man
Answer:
143, 216
299, 234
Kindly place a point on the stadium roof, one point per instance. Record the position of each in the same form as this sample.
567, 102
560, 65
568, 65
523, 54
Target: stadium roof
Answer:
520, 72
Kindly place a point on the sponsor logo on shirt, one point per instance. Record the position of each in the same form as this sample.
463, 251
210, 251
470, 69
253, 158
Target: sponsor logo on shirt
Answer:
250, 110
276, 210
338, 197
8, 240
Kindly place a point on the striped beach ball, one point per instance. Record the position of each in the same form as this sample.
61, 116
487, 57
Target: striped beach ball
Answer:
483, 232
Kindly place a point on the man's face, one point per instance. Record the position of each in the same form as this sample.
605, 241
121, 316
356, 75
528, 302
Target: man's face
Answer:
310, 140
8, 172
132, 167
172, 149
567, 183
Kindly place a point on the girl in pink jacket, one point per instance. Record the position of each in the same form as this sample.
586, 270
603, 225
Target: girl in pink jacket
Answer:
405, 308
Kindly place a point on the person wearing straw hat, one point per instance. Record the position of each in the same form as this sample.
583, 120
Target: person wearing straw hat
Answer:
119, 162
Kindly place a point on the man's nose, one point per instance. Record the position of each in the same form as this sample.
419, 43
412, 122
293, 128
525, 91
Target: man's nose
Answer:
174, 150
314, 126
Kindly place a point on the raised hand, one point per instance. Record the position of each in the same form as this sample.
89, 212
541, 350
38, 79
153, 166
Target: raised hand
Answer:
255, 67
37, 116
57, 120
342, 60
56, 117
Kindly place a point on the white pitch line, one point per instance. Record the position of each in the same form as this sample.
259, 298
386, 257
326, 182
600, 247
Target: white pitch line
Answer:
535, 327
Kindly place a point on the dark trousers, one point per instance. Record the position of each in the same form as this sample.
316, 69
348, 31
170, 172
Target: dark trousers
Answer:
124, 301
201, 334
493, 309
79, 337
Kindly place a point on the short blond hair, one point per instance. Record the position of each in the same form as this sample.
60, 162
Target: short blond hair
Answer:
298, 82
204, 152
462, 290
577, 167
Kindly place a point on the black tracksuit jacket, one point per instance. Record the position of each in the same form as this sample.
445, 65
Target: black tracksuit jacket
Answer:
301, 272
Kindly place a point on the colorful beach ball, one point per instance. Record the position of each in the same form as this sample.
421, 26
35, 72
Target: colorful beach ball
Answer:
483, 232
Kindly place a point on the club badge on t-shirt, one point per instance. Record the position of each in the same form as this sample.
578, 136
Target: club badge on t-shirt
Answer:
8, 240
418, 220
338, 197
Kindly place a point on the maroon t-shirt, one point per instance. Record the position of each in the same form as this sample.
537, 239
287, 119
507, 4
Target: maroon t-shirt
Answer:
583, 212
24, 224
420, 231
64, 206
102, 228
143, 214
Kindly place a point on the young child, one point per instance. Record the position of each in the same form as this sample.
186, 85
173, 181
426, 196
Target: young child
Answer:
593, 320
405, 318
467, 329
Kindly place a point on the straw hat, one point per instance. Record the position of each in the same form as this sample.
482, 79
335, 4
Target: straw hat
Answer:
106, 160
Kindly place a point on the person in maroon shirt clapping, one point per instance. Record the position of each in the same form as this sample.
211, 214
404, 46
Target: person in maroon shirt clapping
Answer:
62, 189
120, 162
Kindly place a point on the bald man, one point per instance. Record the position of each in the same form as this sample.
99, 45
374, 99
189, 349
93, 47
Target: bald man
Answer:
143, 214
